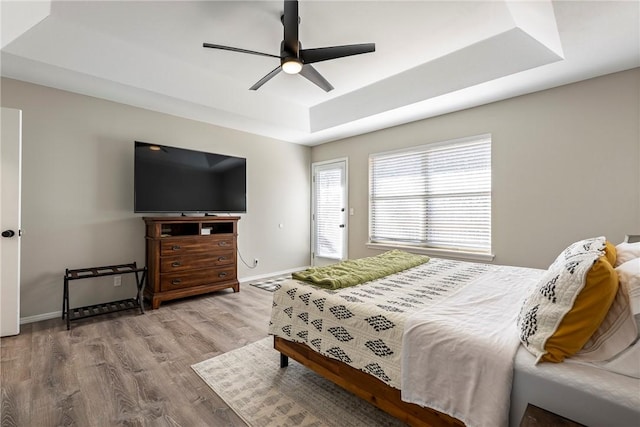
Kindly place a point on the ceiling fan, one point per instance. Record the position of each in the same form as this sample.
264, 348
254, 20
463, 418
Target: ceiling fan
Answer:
294, 59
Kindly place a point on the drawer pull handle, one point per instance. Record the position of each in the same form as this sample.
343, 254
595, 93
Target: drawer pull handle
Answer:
223, 274
175, 248
176, 281
221, 258
222, 243
176, 264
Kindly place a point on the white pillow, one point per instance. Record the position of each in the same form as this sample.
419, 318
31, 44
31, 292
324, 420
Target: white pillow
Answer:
610, 338
617, 332
626, 363
626, 252
629, 275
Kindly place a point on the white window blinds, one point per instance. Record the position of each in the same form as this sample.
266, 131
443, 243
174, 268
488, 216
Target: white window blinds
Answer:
436, 196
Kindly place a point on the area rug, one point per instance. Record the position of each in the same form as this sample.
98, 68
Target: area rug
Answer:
252, 383
271, 284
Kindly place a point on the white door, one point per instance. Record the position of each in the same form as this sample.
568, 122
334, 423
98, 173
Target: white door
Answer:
10, 172
329, 195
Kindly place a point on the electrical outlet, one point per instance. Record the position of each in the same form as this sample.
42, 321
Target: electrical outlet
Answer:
117, 280
255, 262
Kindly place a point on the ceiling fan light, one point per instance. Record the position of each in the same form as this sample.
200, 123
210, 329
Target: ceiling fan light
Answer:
291, 66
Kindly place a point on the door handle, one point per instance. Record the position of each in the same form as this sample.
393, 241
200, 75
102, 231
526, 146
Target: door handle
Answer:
8, 233
341, 226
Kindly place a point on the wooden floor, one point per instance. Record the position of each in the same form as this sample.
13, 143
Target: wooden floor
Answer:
126, 368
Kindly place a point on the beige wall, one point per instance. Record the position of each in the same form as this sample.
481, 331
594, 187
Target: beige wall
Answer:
566, 166
77, 198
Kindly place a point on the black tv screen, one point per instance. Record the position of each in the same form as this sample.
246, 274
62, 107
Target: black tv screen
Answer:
177, 180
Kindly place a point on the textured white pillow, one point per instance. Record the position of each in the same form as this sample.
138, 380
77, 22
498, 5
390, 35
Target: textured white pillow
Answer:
626, 252
629, 275
553, 297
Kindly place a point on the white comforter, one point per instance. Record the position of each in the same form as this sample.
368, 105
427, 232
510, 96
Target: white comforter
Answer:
458, 364
363, 325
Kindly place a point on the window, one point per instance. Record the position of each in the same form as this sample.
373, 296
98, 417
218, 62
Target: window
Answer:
434, 196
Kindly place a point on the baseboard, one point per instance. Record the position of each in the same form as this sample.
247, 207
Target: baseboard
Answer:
39, 317
272, 274
58, 314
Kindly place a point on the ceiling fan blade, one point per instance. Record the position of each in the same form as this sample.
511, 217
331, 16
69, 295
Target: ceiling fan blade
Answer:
314, 77
309, 56
290, 22
236, 49
266, 78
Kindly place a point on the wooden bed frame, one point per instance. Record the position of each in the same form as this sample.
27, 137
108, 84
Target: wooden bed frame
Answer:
362, 385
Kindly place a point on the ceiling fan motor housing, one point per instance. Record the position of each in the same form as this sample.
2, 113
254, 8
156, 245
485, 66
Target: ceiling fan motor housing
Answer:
290, 61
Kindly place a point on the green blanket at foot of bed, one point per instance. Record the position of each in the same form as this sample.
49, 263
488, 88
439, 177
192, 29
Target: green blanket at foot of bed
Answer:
357, 271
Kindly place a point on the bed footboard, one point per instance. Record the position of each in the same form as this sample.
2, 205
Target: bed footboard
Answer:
362, 385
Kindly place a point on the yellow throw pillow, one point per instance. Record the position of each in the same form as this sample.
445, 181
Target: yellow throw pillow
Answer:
610, 252
588, 312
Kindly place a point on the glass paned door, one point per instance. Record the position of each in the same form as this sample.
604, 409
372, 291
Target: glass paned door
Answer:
329, 212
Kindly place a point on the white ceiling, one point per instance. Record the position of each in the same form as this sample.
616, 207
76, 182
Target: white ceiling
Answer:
431, 57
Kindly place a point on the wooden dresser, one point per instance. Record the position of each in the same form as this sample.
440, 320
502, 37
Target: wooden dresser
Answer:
190, 256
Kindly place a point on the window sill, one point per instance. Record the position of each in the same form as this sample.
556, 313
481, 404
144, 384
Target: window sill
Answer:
445, 253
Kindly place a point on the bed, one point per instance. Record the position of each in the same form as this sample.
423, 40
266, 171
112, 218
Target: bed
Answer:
358, 338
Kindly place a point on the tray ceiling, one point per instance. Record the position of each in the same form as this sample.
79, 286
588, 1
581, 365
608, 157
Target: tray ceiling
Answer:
431, 57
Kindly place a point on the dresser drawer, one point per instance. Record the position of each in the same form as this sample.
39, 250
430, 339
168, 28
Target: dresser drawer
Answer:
195, 278
181, 263
195, 245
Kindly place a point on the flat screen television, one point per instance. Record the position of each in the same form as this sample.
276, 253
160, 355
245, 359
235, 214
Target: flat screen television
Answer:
181, 181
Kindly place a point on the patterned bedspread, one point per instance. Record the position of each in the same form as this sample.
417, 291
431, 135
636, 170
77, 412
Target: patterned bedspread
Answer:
363, 325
